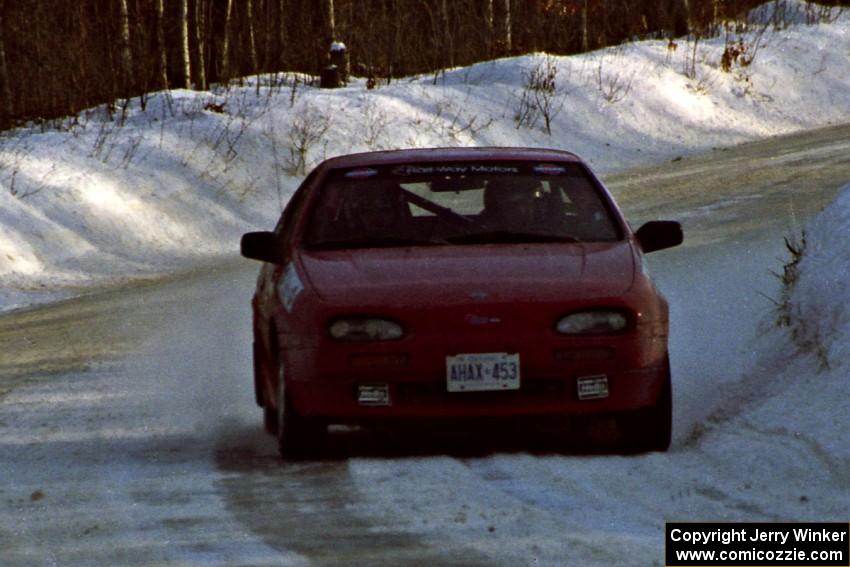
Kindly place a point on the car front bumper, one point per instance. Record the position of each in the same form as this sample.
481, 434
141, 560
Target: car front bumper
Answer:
331, 387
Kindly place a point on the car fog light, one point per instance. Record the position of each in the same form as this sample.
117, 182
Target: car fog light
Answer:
592, 322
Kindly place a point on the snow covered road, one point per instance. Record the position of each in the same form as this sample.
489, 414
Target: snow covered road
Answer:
129, 434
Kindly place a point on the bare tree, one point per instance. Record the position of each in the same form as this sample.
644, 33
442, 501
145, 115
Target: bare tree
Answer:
186, 67
224, 72
528, 18
281, 27
161, 51
329, 22
324, 18
57, 58
270, 28
502, 25
489, 26
125, 54
42, 77
448, 40
200, 42
252, 42
585, 36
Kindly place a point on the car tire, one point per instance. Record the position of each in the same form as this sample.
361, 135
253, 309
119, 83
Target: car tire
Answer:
270, 420
650, 429
258, 391
296, 436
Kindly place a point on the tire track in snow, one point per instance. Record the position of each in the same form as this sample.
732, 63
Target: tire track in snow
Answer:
319, 510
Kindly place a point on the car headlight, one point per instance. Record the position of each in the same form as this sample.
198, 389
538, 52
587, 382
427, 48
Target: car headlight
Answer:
365, 329
592, 322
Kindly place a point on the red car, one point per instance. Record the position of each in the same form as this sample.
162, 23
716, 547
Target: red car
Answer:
458, 283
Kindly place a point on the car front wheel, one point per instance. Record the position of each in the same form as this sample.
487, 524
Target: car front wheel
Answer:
296, 436
649, 429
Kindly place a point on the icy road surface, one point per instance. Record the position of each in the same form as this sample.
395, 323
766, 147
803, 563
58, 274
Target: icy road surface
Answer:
129, 434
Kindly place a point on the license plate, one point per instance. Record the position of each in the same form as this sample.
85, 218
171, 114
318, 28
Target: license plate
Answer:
482, 372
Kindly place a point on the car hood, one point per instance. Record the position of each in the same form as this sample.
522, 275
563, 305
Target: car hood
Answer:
457, 274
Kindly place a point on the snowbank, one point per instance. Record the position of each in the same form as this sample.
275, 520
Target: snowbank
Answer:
811, 405
819, 301
169, 186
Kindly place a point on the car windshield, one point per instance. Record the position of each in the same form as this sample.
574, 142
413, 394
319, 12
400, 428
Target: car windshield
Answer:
458, 203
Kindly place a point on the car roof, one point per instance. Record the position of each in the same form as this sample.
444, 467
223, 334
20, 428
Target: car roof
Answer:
442, 155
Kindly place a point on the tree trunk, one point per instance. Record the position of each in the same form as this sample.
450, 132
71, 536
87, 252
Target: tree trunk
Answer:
78, 73
585, 39
680, 18
41, 106
252, 42
7, 108
329, 22
688, 14
270, 35
489, 27
328, 32
200, 42
534, 16
125, 54
447, 39
161, 57
502, 26
186, 67
281, 31
225, 43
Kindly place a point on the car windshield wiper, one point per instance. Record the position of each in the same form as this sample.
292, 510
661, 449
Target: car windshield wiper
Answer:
508, 236
373, 242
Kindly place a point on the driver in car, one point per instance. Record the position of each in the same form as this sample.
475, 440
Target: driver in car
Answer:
511, 204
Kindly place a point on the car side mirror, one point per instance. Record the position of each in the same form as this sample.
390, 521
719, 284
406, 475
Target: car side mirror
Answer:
263, 246
658, 235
